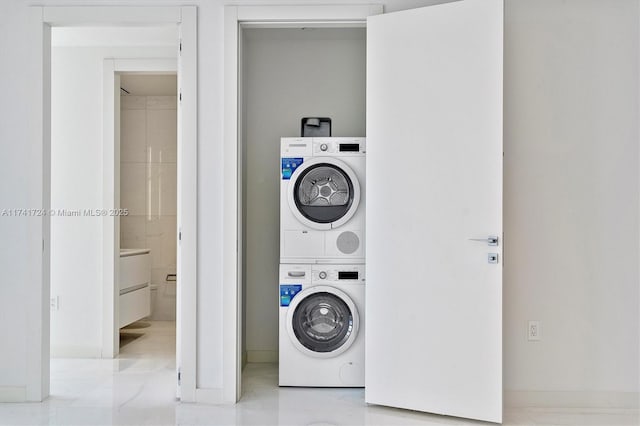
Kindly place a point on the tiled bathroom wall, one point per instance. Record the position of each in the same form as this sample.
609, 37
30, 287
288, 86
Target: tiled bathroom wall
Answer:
148, 182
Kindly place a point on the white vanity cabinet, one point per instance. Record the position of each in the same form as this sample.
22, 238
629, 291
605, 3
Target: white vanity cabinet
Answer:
135, 292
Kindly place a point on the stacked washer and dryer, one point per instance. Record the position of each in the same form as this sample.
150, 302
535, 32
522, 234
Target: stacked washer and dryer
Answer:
322, 281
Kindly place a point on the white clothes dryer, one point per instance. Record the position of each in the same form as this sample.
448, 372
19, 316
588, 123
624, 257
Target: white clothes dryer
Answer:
321, 330
322, 200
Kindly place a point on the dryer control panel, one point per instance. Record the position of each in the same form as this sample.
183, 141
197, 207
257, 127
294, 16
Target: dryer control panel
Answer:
339, 147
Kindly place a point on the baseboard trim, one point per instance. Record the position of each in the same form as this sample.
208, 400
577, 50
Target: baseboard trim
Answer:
13, 394
571, 399
262, 356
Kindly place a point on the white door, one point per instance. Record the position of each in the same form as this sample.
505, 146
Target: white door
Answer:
434, 178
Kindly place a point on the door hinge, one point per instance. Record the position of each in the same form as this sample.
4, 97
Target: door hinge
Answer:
43, 246
180, 46
180, 97
179, 377
180, 236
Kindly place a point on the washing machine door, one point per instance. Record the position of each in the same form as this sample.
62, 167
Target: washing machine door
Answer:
324, 193
322, 321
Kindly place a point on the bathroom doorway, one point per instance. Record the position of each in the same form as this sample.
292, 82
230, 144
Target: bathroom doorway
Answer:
148, 200
88, 304
131, 29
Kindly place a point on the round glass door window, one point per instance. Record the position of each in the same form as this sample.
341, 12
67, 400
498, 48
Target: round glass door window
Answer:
322, 322
323, 193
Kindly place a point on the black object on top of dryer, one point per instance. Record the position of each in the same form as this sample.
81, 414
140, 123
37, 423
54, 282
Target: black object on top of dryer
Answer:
315, 127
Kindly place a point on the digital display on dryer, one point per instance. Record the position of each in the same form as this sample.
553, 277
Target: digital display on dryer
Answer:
349, 147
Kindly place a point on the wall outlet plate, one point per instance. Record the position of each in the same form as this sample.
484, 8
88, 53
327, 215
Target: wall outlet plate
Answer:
533, 331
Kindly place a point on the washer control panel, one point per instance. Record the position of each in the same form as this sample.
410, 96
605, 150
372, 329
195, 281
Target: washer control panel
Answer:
337, 274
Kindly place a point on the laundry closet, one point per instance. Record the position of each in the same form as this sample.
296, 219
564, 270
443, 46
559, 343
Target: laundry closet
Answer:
428, 83
287, 74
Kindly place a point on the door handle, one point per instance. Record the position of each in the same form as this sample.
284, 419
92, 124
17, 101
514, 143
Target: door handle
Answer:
491, 240
296, 274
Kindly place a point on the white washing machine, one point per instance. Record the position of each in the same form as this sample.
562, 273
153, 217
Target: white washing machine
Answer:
322, 200
321, 325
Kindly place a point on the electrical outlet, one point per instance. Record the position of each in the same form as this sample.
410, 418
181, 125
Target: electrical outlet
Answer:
54, 302
533, 331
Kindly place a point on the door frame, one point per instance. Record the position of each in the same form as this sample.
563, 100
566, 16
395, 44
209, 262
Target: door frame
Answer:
235, 19
41, 20
112, 68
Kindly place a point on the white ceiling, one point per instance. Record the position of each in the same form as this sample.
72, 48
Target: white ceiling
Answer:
149, 84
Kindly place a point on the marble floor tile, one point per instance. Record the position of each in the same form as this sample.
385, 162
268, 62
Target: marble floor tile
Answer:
138, 388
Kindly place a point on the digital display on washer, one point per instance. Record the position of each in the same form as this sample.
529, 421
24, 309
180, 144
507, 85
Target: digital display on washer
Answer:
349, 147
347, 275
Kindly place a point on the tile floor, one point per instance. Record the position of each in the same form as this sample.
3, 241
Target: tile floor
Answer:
138, 388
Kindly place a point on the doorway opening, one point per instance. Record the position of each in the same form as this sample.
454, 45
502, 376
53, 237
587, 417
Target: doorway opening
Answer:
113, 221
148, 195
401, 86
120, 23
285, 74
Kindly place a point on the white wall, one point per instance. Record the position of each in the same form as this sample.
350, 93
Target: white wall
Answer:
289, 74
76, 183
571, 197
590, 319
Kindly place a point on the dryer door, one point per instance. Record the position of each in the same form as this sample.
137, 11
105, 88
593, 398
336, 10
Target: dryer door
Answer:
324, 193
322, 321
